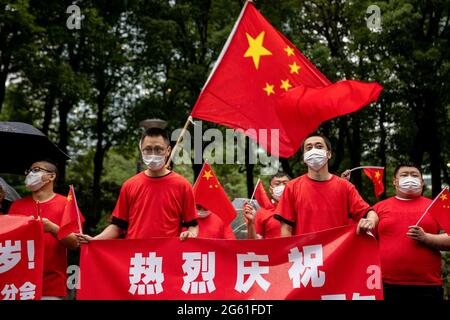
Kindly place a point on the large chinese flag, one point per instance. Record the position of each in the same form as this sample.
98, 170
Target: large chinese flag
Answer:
262, 197
209, 193
72, 218
376, 175
262, 81
440, 210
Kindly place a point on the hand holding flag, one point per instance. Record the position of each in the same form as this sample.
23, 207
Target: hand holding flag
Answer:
72, 218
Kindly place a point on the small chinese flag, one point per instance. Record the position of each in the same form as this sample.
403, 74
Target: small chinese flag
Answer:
262, 84
376, 175
262, 197
209, 193
72, 218
440, 210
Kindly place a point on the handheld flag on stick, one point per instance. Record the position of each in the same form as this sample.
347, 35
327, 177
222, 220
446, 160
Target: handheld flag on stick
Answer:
376, 175
208, 193
440, 210
262, 197
72, 218
262, 84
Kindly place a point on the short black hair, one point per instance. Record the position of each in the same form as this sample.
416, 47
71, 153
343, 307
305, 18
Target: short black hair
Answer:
279, 174
155, 132
407, 164
53, 163
317, 134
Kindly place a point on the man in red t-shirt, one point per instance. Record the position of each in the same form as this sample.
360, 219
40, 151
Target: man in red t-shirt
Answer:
319, 200
211, 226
410, 257
154, 203
261, 224
45, 204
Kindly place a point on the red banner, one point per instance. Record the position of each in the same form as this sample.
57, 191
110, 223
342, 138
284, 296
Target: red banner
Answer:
21, 258
331, 264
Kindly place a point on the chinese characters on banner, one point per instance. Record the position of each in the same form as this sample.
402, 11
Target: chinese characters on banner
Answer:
332, 264
21, 258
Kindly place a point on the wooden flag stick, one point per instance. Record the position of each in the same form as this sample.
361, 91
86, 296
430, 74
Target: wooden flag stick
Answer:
172, 154
254, 190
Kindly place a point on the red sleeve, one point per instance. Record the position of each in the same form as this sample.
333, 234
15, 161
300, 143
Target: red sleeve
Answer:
356, 204
189, 213
228, 233
121, 211
286, 206
259, 227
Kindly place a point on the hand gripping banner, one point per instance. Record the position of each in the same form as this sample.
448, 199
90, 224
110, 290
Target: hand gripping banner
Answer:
327, 265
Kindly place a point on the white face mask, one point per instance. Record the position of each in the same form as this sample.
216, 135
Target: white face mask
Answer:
410, 185
33, 181
315, 158
278, 191
154, 162
203, 213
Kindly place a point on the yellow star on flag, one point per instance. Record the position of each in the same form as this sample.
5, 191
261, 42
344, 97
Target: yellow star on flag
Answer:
377, 174
269, 89
289, 51
69, 197
443, 197
207, 174
256, 49
285, 84
294, 68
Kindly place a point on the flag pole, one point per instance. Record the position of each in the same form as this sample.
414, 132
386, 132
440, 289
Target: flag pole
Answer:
426, 211
172, 154
78, 210
368, 167
254, 190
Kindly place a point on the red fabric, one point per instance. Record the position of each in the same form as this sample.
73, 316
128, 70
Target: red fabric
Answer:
262, 197
72, 218
348, 264
155, 207
440, 210
376, 175
313, 206
246, 89
209, 194
55, 254
266, 225
29, 269
404, 260
212, 227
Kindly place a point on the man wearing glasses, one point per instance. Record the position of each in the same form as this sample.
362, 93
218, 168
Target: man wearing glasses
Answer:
154, 203
48, 206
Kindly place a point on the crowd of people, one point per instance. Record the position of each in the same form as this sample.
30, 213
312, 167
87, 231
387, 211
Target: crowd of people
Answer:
158, 202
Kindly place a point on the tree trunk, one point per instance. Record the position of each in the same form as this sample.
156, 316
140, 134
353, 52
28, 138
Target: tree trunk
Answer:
3, 76
63, 108
99, 156
48, 111
382, 145
249, 168
355, 150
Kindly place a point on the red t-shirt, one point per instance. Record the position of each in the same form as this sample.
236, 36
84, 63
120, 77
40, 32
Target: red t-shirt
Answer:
266, 225
404, 260
155, 207
212, 227
55, 254
311, 206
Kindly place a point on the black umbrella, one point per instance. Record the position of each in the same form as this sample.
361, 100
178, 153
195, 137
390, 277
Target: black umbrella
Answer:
22, 144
